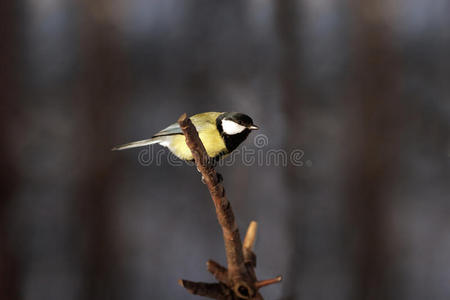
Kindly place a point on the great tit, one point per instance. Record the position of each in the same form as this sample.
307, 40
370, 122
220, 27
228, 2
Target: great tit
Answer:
220, 133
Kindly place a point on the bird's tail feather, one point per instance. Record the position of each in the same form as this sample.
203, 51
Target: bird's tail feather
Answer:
137, 144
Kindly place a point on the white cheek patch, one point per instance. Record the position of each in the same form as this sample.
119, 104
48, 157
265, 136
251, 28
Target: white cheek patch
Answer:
230, 127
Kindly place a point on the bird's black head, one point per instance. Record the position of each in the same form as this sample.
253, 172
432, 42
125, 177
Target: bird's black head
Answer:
234, 128
234, 123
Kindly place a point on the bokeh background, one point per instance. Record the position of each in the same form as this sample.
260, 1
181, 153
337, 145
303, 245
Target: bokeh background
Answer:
361, 87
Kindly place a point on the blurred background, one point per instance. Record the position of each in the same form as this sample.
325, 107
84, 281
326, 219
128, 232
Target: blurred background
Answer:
361, 87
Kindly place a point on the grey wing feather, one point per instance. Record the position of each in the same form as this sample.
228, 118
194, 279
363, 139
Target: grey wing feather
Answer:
175, 129
170, 130
136, 144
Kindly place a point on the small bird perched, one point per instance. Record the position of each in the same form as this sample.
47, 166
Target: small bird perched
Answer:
220, 133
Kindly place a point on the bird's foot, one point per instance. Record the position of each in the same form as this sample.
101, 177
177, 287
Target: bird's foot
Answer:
213, 162
219, 177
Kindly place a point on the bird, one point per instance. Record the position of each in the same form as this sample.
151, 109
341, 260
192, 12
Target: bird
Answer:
220, 132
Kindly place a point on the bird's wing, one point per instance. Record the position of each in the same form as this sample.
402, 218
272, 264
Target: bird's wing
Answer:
170, 130
203, 121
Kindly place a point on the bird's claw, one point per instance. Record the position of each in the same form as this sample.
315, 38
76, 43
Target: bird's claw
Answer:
219, 177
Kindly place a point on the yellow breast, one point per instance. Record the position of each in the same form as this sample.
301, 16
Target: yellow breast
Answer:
210, 138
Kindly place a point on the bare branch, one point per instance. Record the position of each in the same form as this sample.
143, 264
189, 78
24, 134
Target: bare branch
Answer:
238, 280
250, 237
210, 290
263, 283
218, 271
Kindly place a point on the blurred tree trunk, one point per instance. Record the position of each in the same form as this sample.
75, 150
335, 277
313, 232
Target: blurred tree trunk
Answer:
9, 177
293, 94
102, 94
214, 46
373, 87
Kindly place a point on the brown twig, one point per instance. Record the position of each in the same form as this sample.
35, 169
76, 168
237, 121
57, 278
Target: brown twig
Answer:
238, 280
250, 236
218, 271
262, 283
210, 290
249, 242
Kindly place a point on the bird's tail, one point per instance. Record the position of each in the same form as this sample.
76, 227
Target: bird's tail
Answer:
137, 144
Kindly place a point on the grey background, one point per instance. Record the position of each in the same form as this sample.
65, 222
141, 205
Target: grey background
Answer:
361, 87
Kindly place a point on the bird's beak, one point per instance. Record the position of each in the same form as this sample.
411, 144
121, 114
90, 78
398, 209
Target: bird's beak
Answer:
253, 127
